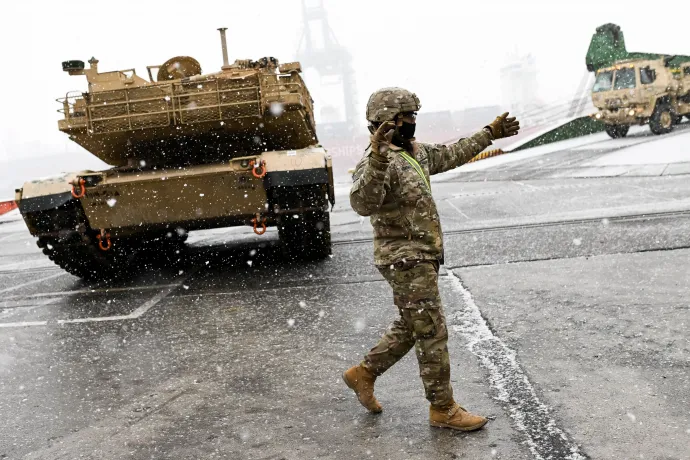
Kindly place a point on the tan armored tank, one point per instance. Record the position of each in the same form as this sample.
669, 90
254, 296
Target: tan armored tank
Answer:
189, 151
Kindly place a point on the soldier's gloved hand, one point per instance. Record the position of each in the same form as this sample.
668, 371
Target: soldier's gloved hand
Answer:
382, 138
503, 126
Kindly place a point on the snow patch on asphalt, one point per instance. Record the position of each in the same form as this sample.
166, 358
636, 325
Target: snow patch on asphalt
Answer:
531, 417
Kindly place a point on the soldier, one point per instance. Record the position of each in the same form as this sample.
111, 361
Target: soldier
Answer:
391, 185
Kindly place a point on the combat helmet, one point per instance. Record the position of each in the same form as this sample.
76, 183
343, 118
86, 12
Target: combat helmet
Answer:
385, 103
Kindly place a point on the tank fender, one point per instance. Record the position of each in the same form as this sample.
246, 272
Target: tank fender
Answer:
46, 193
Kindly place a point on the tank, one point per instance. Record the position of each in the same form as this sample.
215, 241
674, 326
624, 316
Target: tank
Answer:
189, 151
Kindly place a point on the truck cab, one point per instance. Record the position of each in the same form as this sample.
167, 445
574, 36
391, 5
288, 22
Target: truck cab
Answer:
638, 92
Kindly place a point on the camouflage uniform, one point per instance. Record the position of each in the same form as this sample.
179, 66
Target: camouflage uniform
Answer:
408, 248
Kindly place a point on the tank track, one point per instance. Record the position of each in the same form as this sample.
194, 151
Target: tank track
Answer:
75, 248
81, 257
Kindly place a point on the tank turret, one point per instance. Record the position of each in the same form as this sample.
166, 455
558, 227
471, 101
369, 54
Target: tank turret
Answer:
184, 117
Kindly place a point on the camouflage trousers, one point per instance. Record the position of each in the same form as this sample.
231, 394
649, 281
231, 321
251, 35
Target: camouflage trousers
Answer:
421, 324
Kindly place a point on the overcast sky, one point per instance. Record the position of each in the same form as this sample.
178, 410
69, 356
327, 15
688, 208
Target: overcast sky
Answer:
448, 52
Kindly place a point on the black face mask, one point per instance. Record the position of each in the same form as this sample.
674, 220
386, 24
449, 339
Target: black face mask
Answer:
406, 131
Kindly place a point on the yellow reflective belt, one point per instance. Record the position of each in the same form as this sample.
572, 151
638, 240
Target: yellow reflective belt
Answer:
416, 167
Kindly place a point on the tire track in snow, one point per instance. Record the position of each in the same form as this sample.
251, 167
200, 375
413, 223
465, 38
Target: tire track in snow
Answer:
531, 417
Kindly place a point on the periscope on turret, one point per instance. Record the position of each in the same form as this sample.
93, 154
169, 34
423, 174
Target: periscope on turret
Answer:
188, 151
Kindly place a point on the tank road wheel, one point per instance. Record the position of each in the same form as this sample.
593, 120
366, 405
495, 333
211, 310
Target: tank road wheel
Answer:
306, 236
81, 257
662, 119
617, 131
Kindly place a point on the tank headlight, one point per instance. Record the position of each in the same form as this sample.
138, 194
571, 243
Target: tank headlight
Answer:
598, 115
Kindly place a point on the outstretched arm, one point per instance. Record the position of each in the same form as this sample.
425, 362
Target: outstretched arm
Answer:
446, 157
443, 158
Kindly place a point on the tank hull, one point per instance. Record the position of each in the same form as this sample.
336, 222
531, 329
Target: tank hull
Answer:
118, 211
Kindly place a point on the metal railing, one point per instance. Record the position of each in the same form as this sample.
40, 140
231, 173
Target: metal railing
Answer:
179, 102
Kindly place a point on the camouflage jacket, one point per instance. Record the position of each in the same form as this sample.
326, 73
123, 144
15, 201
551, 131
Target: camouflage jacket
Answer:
398, 198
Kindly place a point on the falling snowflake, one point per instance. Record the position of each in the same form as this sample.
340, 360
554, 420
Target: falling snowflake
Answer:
322, 313
291, 322
277, 109
252, 252
302, 304
111, 202
185, 286
631, 417
360, 324
577, 241
249, 262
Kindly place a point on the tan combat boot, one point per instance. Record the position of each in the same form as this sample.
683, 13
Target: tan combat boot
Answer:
456, 417
361, 381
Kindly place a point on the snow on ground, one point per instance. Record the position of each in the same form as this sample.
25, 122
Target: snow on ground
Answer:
530, 153
11, 216
640, 148
664, 150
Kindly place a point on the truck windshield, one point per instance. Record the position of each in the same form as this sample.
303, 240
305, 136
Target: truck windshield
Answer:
603, 82
625, 78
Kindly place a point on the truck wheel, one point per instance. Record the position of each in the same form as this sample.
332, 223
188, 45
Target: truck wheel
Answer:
662, 119
306, 236
617, 131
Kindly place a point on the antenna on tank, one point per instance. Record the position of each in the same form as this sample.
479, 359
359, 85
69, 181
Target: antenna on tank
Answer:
224, 44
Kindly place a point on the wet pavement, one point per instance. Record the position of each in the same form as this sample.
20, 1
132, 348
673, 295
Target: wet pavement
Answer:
566, 297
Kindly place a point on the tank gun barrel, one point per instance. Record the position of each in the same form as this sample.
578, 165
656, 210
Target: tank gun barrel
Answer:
224, 44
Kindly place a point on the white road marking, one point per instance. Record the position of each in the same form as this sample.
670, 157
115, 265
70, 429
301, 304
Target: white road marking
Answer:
29, 283
90, 291
11, 303
153, 301
141, 310
514, 390
94, 320
23, 324
457, 209
7, 237
526, 185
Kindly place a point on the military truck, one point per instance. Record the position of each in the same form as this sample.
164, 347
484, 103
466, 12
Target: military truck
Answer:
189, 151
636, 88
